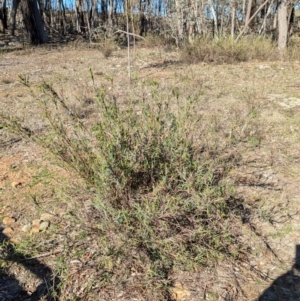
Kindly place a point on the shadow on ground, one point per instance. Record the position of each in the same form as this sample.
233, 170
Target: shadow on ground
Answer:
12, 290
287, 286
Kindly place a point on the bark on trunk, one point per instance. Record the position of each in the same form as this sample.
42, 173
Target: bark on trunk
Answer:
33, 22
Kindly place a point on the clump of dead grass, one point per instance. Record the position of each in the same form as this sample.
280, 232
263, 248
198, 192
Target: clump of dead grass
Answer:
107, 47
224, 50
152, 40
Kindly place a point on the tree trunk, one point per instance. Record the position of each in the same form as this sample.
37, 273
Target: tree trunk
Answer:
3, 16
291, 19
179, 16
4, 10
282, 25
275, 20
250, 12
213, 11
33, 22
62, 17
110, 17
48, 12
232, 19
13, 14
80, 24
93, 18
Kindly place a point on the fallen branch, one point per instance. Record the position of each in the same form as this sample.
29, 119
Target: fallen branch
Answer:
129, 33
44, 254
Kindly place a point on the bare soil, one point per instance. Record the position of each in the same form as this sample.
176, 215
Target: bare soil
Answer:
33, 183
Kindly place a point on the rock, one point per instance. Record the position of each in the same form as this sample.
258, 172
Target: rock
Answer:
14, 241
7, 220
35, 229
44, 225
8, 231
26, 228
179, 292
16, 184
47, 217
263, 67
3, 209
36, 223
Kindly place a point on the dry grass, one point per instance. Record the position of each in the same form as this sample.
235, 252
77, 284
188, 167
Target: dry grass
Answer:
225, 50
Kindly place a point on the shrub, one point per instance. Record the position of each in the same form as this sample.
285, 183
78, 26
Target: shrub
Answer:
162, 197
225, 50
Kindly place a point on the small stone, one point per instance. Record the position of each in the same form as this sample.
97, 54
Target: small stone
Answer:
47, 217
16, 184
44, 225
8, 231
7, 220
262, 67
3, 209
26, 228
14, 241
179, 292
36, 222
35, 229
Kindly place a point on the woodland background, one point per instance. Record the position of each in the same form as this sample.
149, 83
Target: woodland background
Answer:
175, 20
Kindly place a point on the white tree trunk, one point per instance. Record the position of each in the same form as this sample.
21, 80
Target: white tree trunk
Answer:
275, 21
282, 25
179, 22
232, 19
248, 14
214, 16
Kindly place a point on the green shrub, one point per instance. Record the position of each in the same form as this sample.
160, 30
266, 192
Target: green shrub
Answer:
162, 197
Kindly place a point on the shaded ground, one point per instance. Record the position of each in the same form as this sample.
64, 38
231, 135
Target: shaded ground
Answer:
32, 183
12, 290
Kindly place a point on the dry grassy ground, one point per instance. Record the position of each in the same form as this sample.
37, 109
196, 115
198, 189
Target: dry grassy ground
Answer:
33, 182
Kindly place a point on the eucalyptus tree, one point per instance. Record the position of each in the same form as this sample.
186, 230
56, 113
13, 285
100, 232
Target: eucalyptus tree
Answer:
3, 16
182, 20
33, 21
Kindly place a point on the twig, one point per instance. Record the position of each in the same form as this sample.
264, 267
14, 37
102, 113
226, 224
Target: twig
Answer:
129, 33
45, 254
